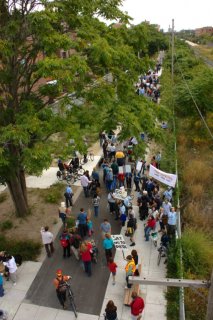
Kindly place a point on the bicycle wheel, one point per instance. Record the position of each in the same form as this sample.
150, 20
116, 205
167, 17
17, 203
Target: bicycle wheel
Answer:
59, 176
72, 302
159, 257
70, 179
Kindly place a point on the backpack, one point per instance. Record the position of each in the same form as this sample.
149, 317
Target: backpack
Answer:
64, 242
62, 287
76, 243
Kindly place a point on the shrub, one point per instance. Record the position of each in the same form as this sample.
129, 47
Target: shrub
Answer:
53, 194
197, 253
28, 249
6, 225
70, 222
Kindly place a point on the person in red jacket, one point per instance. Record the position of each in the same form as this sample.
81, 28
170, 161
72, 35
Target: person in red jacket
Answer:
151, 223
137, 306
85, 253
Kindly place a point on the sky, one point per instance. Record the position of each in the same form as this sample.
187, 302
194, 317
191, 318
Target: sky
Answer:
187, 14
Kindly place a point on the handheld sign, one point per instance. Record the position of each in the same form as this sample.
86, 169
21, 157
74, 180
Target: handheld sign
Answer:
119, 242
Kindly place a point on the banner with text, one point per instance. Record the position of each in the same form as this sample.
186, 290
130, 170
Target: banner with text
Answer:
167, 178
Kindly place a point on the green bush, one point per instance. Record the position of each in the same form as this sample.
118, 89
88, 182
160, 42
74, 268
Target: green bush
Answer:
197, 253
6, 225
53, 194
70, 222
28, 249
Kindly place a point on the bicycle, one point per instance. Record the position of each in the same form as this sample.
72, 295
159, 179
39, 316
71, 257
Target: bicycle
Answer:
71, 298
69, 177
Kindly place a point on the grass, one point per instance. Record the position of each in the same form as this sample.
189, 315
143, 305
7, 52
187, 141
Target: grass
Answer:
6, 225
206, 52
52, 194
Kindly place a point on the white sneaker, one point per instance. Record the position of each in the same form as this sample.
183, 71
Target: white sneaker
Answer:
14, 283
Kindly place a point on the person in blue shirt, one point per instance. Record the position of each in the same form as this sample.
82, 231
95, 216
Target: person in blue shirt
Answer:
108, 245
82, 225
172, 220
1, 286
68, 196
168, 194
95, 175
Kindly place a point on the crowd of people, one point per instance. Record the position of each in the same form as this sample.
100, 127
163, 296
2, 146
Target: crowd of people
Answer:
117, 170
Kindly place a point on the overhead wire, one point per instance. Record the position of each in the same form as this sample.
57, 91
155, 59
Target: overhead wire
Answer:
193, 99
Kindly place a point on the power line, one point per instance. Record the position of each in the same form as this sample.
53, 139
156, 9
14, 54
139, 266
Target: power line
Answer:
193, 99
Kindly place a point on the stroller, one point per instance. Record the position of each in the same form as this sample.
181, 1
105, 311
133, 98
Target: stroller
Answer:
94, 252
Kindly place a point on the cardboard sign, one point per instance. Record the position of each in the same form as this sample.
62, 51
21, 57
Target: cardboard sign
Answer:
119, 242
120, 194
139, 166
128, 168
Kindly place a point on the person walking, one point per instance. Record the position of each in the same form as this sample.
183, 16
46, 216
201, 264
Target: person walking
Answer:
112, 268
65, 243
85, 253
96, 204
62, 212
85, 182
68, 196
108, 245
137, 306
132, 225
111, 201
110, 311
1, 286
82, 218
172, 220
105, 228
47, 239
130, 269
12, 267
61, 288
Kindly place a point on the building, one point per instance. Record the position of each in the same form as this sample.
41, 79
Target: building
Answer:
204, 31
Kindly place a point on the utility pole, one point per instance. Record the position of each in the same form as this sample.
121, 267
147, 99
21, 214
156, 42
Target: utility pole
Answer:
173, 50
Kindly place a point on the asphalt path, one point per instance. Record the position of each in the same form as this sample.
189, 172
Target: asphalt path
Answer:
89, 291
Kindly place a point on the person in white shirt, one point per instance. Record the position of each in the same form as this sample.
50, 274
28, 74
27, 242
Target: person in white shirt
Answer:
85, 184
11, 265
47, 239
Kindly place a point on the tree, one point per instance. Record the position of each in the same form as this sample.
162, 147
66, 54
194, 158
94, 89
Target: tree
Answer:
29, 58
30, 38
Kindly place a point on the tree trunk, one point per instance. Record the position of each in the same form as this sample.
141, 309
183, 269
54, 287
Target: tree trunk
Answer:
17, 186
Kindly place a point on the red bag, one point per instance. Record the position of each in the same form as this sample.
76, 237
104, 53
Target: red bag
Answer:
64, 242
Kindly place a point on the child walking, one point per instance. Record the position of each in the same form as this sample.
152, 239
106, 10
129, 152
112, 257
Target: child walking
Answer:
89, 227
112, 268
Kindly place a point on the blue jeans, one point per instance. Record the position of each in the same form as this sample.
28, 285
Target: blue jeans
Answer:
147, 231
86, 191
96, 209
88, 267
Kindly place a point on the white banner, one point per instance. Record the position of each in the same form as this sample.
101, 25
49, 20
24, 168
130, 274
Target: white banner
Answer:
119, 242
167, 178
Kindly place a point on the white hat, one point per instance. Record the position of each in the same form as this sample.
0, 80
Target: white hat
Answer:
145, 192
63, 204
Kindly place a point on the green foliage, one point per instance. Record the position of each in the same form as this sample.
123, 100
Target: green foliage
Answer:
28, 249
70, 222
6, 225
53, 194
197, 253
